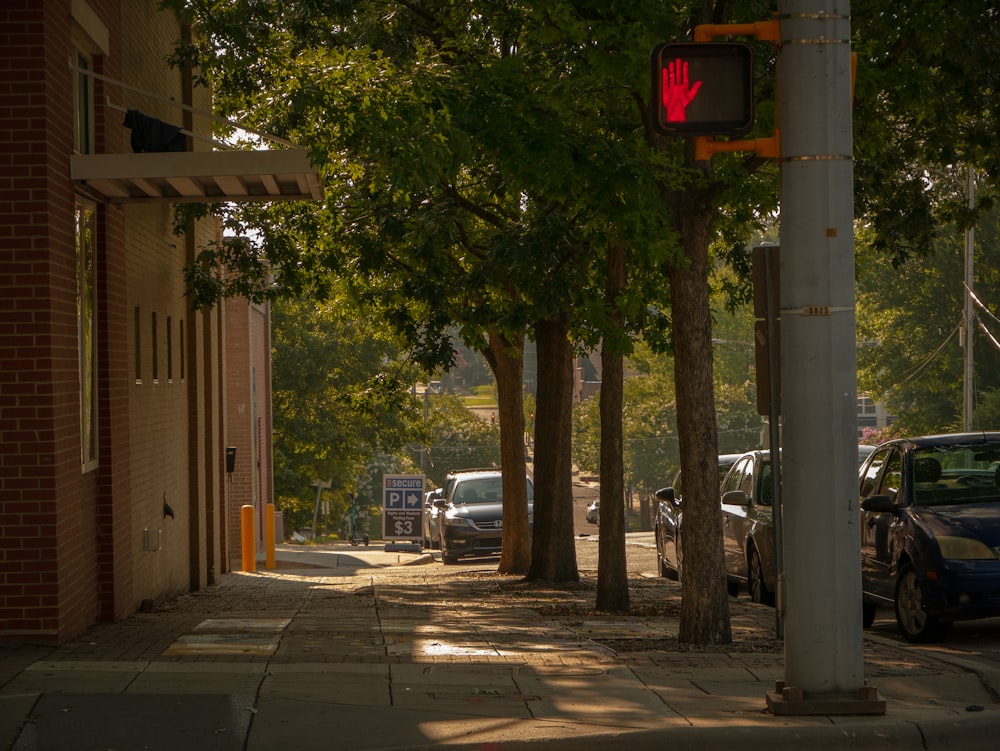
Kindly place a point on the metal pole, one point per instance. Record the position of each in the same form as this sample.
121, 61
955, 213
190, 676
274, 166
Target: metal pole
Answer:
821, 539
968, 382
269, 552
249, 549
774, 430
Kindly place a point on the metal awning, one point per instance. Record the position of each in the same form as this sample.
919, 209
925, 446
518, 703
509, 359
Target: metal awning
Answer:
200, 176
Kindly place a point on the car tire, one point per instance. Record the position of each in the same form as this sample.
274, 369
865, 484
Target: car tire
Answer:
755, 579
666, 571
914, 622
446, 558
867, 614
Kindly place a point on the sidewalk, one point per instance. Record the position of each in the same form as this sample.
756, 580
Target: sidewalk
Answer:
358, 648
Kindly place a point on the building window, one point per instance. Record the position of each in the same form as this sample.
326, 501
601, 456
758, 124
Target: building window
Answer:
137, 340
170, 350
83, 108
156, 351
86, 321
181, 344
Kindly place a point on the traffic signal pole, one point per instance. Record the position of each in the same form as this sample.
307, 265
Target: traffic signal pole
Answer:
704, 89
820, 591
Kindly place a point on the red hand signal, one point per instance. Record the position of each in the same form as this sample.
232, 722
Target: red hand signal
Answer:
677, 90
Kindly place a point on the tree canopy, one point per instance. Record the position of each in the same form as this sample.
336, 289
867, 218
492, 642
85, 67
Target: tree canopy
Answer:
488, 164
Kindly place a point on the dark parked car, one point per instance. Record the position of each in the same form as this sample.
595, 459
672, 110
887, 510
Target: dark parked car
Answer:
864, 451
667, 522
431, 534
930, 531
433, 512
748, 527
470, 517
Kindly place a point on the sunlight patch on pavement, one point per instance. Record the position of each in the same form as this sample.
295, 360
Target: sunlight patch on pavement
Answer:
231, 636
439, 648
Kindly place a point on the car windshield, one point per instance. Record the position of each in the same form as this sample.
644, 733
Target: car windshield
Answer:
483, 490
956, 473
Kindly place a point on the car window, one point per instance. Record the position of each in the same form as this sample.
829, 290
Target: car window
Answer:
478, 490
732, 481
724, 467
955, 473
484, 490
871, 473
746, 478
892, 475
764, 486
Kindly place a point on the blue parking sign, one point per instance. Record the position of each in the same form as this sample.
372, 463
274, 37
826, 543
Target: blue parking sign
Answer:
402, 507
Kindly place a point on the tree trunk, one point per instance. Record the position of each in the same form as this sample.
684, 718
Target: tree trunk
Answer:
612, 571
506, 358
704, 599
553, 548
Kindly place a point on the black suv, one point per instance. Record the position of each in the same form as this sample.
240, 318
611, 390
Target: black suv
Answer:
470, 517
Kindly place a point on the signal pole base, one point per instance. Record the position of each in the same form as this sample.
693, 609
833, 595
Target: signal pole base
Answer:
789, 700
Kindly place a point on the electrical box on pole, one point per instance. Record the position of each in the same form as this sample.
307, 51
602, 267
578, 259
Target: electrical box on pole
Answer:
765, 271
703, 89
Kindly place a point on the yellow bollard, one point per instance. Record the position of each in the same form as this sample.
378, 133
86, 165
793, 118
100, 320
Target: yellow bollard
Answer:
269, 535
246, 528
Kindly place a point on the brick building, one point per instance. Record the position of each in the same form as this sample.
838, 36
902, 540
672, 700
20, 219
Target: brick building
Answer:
117, 400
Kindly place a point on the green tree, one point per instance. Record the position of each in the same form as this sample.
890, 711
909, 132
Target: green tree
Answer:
340, 393
458, 439
463, 189
924, 110
910, 352
471, 127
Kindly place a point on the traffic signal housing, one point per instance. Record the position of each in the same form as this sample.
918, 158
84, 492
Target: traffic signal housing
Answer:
703, 89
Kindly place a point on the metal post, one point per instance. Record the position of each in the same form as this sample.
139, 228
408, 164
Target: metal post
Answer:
822, 560
249, 548
269, 535
969, 319
772, 302
320, 486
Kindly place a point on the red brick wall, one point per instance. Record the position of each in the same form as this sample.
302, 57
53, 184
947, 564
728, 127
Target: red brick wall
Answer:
73, 548
47, 512
248, 417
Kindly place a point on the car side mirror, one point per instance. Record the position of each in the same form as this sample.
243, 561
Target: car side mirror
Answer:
736, 498
878, 504
440, 503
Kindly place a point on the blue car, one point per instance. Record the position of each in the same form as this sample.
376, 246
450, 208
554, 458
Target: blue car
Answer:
930, 531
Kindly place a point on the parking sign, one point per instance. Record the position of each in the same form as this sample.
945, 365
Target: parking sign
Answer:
402, 507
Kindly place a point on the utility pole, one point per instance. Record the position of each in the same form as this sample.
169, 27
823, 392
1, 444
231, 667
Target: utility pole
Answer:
820, 596
969, 319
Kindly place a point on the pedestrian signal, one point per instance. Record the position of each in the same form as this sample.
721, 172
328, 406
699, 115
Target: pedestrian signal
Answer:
703, 89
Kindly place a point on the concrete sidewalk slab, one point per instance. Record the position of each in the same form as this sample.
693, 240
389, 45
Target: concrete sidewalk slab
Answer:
161, 722
375, 654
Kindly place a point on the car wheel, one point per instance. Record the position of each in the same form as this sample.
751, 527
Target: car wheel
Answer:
914, 622
446, 557
755, 574
867, 614
666, 571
